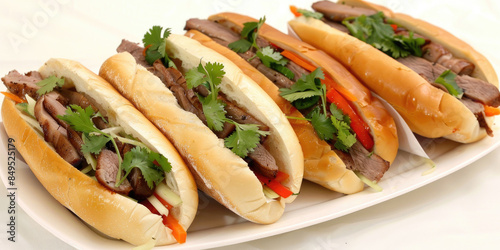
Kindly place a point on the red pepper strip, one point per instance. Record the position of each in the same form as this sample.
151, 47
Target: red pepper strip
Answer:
293, 9
275, 186
13, 97
169, 221
357, 124
281, 176
491, 111
394, 27
166, 204
145, 49
177, 230
330, 83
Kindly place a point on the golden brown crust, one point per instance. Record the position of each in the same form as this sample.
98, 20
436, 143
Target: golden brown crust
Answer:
428, 111
112, 214
218, 172
381, 124
321, 164
483, 70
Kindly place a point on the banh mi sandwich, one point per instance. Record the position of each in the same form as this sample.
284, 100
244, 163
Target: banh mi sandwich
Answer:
346, 134
99, 156
440, 85
240, 147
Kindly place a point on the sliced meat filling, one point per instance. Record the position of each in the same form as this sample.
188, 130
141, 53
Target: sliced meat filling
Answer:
260, 158
56, 135
436, 53
338, 12
21, 85
475, 89
360, 160
372, 167
478, 110
135, 50
220, 34
106, 171
263, 161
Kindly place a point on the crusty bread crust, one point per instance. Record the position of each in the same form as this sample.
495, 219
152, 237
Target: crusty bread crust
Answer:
428, 111
322, 164
112, 214
218, 172
484, 70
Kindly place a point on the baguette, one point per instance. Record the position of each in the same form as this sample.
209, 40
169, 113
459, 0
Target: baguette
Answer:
217, 170
110, 213
429, 111
322, 164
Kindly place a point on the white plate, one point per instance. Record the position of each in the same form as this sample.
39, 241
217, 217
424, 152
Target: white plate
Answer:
214, 226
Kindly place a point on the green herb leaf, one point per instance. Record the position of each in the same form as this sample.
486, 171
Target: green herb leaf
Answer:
345, 139
248, 34
307, 86
93, 143
160, 160
139, 157
214, 112
308, 13
196, 76
268, 56
336, 112
244, 139
447, 79
157, 45
215, 72
152, 55
411, 44
322, 125
373, 30
240, 46
48, 84
213, 108
80, 119
153, 36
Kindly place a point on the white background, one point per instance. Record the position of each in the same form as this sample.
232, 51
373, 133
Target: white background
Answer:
460, 211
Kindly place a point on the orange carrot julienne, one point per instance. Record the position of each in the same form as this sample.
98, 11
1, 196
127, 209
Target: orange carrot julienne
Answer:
13, 97
293, 9
491, 111
298, 60
169, 221
177, 230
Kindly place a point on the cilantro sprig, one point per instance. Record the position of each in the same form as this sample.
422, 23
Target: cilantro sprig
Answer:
152, 165
373, 30
246, 136
48, 84
308, 87
334, 125
155, 44
213, 108
94, 140
269, 57
248, 37
308, 13
447, 79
